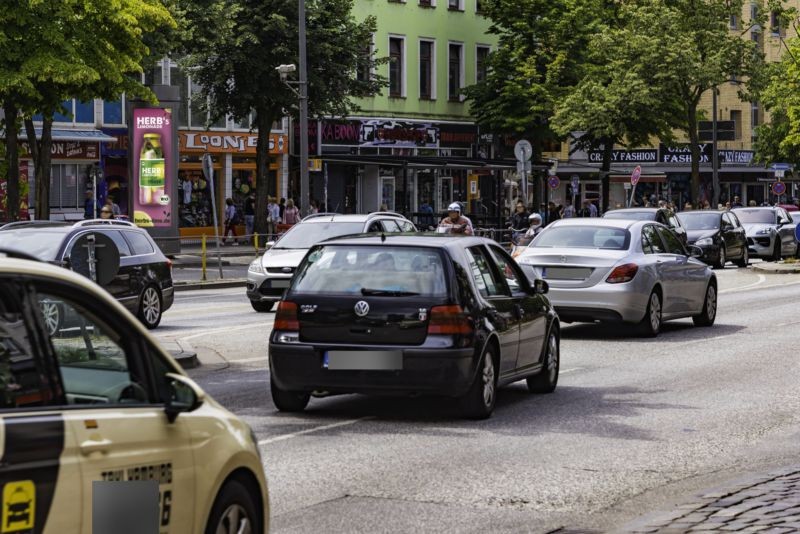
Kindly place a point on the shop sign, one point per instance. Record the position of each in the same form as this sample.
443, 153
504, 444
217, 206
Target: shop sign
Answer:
152, 154
638, 155
65, 150
391, 133
741, 157
226, 142
683, 153
118, 148
457, 135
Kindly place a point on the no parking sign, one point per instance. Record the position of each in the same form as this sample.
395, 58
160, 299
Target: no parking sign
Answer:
554, 182
778, 188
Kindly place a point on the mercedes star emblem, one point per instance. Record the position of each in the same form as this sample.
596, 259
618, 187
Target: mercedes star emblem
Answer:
362, 308
563, 259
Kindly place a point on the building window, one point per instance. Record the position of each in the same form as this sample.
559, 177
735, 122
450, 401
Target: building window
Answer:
427, 3
756, 36
481, 63
736, 117
68, 183
455, 5
775, 24
178, 78
75, 112
363, 73
154, 75
734, 22
479, 6
426, 59
114, 112
755, 119
454, 72
396, 45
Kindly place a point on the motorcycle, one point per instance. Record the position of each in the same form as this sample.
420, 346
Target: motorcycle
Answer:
448, 228
520, 241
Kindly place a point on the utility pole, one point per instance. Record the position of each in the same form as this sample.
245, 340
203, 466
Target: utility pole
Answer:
714, 155
304, 189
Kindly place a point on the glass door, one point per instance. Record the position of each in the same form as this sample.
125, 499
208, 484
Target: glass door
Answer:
445, 193
387, 193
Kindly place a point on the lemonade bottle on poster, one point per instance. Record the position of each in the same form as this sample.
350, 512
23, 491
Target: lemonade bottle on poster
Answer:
152, 170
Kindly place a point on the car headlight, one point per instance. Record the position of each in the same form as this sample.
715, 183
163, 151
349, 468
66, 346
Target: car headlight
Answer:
705, 241
256, 267
764, 231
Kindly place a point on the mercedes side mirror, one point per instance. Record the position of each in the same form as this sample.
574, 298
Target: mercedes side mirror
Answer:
184, 396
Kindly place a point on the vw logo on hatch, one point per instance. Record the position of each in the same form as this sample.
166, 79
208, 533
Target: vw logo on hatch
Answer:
361, 308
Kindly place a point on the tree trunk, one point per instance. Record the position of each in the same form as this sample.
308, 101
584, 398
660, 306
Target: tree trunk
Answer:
40, 153
12, 158
694, 146
605, 171
264, 123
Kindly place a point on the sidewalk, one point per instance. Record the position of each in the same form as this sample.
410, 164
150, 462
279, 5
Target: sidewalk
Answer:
768, 267
762, 503
183, 353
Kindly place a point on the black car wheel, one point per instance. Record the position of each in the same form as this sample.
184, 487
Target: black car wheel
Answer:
709, 313
722, 259
234, 511
51, 313
545, 380
262, 307
745, 259
479, 401
288, 401
651, 322
150, 308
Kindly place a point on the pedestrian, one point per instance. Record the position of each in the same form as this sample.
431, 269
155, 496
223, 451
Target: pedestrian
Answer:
752, 204
737, 202
588, 210
313, 207
273, 216
384, 207
291, 215
282, 206
706, 205
728, 206
106, 213
569, 210
90, 206
249, 215
554, 213
231, 220
687, 206
426, 219
113, 206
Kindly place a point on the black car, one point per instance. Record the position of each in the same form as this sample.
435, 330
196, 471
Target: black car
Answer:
412, 314
119, 256
662, 215
719, 234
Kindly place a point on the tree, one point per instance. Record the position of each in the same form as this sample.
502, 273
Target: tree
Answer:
72, 48
233, 57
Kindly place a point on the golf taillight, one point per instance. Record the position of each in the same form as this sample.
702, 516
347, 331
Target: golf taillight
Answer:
286, 317
169, 264
449, 320
622, 273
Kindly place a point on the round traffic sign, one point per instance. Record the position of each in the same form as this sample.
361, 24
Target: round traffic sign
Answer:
553, 182
797, 232
636, 174
778, 188
523, 150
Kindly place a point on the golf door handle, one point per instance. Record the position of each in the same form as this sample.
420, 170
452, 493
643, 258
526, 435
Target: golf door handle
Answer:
95, 445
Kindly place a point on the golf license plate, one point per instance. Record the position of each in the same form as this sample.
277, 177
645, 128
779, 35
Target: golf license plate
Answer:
363, 360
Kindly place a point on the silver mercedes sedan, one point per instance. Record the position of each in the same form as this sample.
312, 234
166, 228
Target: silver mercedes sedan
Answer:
622, 270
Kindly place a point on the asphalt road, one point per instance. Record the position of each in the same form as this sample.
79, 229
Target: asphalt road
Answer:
634, 425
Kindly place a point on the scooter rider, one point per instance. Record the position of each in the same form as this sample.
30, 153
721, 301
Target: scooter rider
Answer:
456, 223
535, 221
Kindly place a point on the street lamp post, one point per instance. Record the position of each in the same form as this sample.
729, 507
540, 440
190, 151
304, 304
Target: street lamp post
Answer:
714, 155
303, 110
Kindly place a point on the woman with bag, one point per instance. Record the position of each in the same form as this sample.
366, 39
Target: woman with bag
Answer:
291, 215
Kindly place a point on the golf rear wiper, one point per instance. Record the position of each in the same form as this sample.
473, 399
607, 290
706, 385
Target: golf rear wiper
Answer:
386, 293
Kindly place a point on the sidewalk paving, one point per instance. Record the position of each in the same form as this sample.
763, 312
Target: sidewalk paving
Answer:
769, 267
760, 503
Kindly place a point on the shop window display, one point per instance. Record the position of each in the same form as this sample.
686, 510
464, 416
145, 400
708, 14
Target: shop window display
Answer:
244, 183
195, 199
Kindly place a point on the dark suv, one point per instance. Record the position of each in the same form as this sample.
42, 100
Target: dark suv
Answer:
119, 256
412, 314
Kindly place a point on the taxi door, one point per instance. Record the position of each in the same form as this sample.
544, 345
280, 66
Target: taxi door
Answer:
116, 415
40, 489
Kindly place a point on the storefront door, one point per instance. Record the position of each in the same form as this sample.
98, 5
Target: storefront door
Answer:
591, 191
755, 192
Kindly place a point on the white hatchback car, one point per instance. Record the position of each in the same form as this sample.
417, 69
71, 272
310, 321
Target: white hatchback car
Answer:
100, 400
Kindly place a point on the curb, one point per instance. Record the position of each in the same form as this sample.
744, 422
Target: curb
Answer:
777, 269
211, 284
193, 264
184, 354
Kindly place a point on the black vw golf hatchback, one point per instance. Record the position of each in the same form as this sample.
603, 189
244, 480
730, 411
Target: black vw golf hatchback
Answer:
412, 314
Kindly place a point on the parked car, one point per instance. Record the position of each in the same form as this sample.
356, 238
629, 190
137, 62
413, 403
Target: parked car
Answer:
770, 232
719, 234
269, 276
107, 403
622, 270
122, 258
402, 314
661, 215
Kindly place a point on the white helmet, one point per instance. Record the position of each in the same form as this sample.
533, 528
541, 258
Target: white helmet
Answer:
455, 206
535, 216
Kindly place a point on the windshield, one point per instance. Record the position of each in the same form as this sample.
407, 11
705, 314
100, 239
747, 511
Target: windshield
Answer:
309, 234
583, 237
756, 216
631, 215
42, 244
372, 271
700, 221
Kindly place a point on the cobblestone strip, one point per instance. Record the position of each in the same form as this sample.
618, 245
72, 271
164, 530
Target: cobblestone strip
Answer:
768, 504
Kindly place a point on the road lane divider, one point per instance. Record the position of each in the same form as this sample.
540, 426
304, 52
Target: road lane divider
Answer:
761, 279
284, 437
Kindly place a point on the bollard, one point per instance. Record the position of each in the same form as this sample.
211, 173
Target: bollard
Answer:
203, 256
255, 241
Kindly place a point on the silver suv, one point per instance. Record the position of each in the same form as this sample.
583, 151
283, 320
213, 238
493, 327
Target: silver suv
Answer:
770, 232
269, 276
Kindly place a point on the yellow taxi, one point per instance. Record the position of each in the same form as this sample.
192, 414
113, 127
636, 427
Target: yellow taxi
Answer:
99, 400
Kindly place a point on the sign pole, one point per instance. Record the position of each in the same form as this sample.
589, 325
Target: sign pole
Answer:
714, 155
208, 170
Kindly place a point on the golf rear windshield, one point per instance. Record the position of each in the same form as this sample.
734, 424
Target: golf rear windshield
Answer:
372, 270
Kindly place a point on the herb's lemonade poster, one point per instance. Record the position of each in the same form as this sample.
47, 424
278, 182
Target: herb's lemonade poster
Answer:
152, 154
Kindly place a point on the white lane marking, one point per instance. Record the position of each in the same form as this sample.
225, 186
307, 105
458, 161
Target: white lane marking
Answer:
228, 329
696, 341
564, 371
263, 358
193, 311
310, 430
761, 279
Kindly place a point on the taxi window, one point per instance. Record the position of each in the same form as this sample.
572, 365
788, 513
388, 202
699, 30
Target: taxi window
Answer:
21, 379
92, 357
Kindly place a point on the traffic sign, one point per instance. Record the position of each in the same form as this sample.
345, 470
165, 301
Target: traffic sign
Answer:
523, 150
797, 232
779, 174
636, 174
553, 182
781, 166
778, 188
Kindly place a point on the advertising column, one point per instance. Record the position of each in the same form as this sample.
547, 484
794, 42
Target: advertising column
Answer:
153, 165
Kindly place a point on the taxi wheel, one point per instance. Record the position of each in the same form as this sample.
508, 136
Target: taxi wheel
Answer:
288, 401
234, 511
150, 307
262, 307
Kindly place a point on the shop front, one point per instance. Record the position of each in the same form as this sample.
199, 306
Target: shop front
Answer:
114, 163
234, 163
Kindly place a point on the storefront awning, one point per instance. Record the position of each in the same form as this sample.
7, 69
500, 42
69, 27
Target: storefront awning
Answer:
63, 134
421, 162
